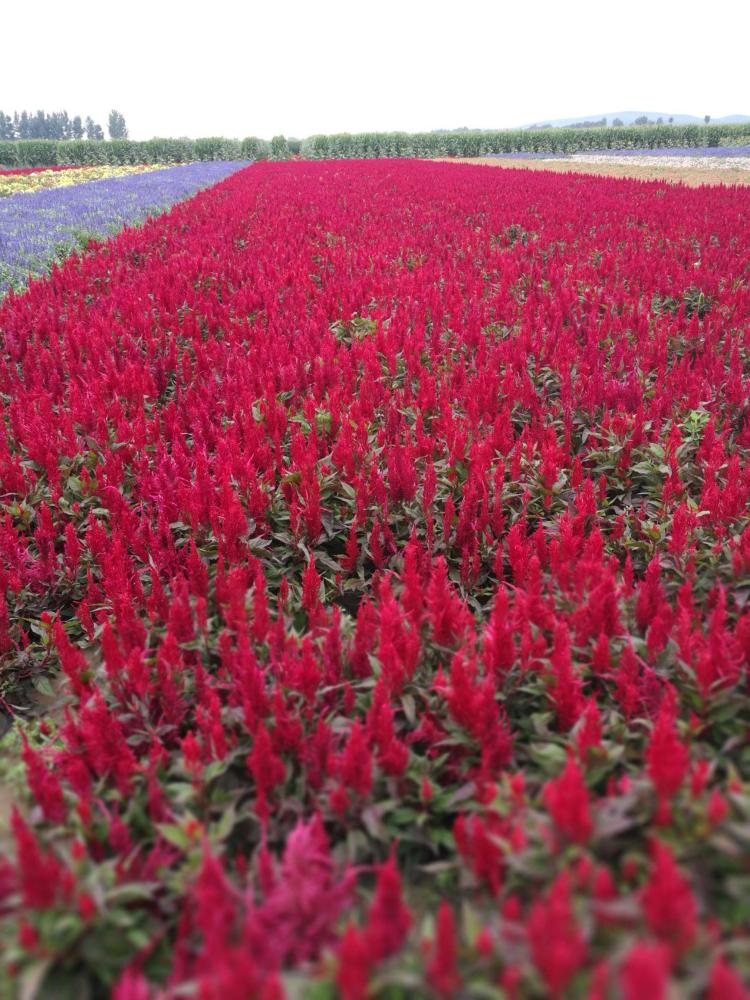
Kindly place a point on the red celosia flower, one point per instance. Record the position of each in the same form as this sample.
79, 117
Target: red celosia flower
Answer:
389, 918
132, 985
668, 902
567, 799
442, 970
725, 984
355, 762
44, 784
447, 613
298, 917
718, 808
43, 879
354, 962
645, 972
557, 944
667, 758
589, 730
104, 739
498, 652
650, 595
566, 687
477, 840
266, 768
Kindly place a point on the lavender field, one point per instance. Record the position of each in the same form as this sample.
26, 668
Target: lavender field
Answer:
40, 228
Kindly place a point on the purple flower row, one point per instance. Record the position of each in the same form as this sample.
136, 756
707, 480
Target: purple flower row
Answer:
722, 151
40, 228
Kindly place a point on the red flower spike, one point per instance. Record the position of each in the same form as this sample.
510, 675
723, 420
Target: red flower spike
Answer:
388, 919
567, 800
557, 944
354, 963
442, 971
668, 902
645, 972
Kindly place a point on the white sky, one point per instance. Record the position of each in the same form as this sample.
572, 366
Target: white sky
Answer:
213, 67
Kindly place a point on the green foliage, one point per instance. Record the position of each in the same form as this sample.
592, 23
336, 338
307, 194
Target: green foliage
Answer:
216, 148
169, 150
557, 140
29, 153
279, 148
116, 125
80, 152
253, 148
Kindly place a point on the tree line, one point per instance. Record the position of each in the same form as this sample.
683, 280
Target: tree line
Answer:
59, 125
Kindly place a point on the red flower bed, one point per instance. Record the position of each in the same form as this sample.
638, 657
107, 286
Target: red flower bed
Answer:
36, 170
388, 524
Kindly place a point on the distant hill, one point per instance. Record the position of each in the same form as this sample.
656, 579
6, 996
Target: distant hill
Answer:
628, 117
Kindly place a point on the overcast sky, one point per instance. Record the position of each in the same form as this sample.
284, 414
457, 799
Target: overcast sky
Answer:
216, 67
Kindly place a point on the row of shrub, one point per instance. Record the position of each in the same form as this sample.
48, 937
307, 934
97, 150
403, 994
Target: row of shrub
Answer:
49, 152
554, 140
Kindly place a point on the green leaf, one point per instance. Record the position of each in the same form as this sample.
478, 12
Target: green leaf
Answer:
175, 835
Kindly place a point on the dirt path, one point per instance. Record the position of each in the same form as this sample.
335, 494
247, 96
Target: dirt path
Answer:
692, 176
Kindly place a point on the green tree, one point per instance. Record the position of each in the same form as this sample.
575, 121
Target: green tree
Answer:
76, 127
254, 148
707, 119
93, 131
116, 126
279, 148
38, 126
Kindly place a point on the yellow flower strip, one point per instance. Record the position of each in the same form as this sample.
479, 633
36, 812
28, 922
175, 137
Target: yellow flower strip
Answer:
27, 183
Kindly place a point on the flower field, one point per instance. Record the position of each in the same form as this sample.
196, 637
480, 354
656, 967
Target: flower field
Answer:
714, 153
25, 182
45, 226
387, 524
21, 171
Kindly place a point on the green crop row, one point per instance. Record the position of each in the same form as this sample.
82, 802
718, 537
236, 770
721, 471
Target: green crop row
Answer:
49, 152
553, 140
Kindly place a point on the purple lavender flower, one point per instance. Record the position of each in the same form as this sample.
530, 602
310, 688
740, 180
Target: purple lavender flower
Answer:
40, 228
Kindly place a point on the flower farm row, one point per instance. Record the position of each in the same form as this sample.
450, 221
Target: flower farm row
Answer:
388, 524
43, 227
695, 152
24, 182
679, 161
29, 170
